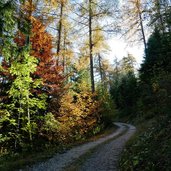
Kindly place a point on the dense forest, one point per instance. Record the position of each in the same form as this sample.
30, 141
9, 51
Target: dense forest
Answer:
57, 87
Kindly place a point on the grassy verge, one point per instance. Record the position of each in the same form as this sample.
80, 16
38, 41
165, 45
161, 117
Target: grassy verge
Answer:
150, 148
16, 161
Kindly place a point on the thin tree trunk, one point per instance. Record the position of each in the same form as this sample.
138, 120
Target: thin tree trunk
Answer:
166, 5
109, 87
91, 47
160, 15
28, 43
20, 106
100, 68
29, 119
143, 33
64, 57
59, 31
138, 4
29, 21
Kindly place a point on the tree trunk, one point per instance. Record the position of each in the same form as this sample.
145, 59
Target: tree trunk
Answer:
64, 50
158, 6
59, 32
29, 21
28, 43
139, 12
91, 47
100, 68
143, 33
29, 119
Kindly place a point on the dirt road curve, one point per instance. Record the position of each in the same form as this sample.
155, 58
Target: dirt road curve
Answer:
104, 158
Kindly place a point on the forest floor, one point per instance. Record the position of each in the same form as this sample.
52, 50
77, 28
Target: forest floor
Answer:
99, 155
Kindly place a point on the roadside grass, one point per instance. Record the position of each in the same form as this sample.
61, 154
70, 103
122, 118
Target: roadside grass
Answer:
15, 161
150, 148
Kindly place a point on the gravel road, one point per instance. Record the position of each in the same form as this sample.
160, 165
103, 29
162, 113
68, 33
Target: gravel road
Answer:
103, 159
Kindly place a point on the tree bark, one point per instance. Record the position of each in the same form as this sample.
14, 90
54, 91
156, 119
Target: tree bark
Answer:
28, 43
100, 68
143, 33
158, 6
64, 58
91, 47
59, 31
142, 27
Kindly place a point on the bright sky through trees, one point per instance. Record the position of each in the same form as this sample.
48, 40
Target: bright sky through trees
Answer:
120, 48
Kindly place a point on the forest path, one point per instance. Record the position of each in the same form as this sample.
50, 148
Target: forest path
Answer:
105, 153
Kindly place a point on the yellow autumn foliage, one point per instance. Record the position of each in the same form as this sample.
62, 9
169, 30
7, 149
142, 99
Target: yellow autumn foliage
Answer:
79, 113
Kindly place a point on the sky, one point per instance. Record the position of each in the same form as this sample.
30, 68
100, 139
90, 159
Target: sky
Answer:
119, 48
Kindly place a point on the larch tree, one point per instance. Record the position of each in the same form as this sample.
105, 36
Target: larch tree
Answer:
134, 16
61, 25
93, 15
99, 51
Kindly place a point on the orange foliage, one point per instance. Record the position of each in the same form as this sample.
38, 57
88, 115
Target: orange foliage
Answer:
41, 45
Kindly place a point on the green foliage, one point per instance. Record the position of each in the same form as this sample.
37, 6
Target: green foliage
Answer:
126, 94
108, 108
127, 64
23, 108
6, 118
150, 149
157, 59
154, 103
50, 127
124, 89
19, 112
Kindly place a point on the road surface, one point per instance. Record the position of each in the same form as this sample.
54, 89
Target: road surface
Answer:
105, 153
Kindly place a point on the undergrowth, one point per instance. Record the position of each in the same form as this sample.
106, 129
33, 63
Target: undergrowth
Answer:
150, 148
15, 161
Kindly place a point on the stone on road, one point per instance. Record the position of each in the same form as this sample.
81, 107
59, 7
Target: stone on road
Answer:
103, 159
